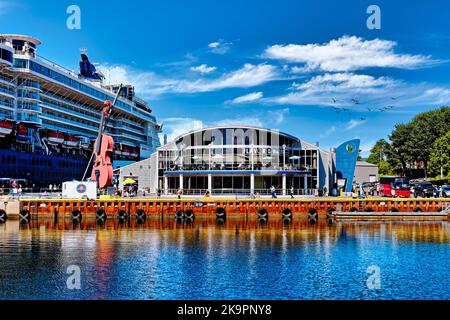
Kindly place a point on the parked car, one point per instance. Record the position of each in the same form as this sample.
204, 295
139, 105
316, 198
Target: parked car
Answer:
394, 187
424, 190
446, 191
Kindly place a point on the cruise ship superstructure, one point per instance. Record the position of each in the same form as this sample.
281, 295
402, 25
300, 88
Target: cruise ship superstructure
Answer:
49, 116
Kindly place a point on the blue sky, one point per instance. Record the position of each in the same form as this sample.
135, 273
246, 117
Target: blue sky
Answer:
309, 68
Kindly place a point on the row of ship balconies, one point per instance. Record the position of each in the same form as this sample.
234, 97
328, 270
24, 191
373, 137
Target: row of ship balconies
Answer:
20, 83
31, 90
31, 103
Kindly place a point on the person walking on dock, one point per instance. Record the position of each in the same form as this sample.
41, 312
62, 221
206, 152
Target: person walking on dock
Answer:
273, 192
292, 192
179, 193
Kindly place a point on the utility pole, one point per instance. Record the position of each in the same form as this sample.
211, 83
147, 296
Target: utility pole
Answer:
442, 166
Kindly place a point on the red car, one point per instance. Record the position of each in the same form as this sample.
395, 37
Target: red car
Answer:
395, 187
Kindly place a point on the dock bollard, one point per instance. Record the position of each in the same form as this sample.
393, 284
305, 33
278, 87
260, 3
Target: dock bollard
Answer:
3, 216
122, 216
313, 216
330, 215
24, 216
220, 213
286, 213
286, 216
141, 216
77, 217
263, 214
100, 215
179, 214
189, 214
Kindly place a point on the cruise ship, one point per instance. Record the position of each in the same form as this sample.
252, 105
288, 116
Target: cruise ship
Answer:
49, 116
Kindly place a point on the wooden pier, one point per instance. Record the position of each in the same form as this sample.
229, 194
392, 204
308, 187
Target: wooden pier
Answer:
237, 207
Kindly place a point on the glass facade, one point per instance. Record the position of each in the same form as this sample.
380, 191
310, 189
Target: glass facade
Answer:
238, 160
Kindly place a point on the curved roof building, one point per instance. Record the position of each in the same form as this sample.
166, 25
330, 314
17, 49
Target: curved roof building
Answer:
237, 159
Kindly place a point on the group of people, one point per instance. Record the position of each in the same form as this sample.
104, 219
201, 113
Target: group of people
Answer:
53, 188
130, 191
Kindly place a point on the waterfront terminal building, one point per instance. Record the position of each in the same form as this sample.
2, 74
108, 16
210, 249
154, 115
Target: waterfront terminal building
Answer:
243, 160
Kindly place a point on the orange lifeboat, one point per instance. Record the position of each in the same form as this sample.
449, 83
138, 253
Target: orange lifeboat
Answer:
117, 150
125, 151
71, 141
22, 133
5, 128
85, 142
134, 153
55, 138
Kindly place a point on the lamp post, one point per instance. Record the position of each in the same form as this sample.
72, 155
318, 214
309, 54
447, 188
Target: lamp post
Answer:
284, 156
182, 147
251, 156
210, 146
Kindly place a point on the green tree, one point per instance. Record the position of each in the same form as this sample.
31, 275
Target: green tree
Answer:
379, 152
413, 142
440, 157
385, 168
382, 154
360, 158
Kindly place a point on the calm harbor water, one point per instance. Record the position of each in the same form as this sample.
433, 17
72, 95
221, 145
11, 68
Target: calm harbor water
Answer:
239, 260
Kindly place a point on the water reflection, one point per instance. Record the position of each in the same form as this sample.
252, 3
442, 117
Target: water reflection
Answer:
298, 229
229, 259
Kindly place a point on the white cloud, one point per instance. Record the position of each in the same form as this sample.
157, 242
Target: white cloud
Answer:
151, 84
251, 97
328, 132
175, 127
334, 82
367, 147
147, 84
220, 47
203, 69
277, 116
320, 90
353, 123
346, 54
249, 121
214, 45
339, 90
248, 76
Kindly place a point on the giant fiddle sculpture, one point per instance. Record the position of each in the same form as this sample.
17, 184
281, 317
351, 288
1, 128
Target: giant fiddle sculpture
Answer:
102, 170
